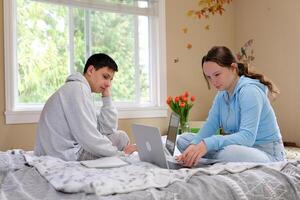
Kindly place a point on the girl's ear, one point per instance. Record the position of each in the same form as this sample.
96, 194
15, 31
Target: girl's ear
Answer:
234, 66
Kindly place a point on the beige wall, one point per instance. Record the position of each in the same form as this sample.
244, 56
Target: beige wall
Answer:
186, 74
274, 26
181, 76
263, 20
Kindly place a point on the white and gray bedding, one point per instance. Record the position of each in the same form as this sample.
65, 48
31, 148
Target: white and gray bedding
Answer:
39, 178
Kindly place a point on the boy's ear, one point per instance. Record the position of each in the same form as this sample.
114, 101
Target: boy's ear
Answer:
90, 69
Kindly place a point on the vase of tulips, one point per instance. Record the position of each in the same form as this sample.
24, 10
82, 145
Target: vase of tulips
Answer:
182, 105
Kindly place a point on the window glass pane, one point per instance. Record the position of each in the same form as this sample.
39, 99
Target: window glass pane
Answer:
79, 39
43, 49
114, 34
144, 59
42, 39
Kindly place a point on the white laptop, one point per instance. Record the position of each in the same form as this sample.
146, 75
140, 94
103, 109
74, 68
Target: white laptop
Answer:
172, 133
150, 147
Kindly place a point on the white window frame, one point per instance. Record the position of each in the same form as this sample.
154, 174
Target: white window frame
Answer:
31, 113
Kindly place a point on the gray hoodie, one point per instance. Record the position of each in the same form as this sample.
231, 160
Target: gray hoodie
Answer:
69, 123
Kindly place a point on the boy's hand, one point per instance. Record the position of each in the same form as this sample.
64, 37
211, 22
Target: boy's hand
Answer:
106, 92
129, 149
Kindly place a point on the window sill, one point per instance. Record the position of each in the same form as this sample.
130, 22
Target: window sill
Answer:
25, 116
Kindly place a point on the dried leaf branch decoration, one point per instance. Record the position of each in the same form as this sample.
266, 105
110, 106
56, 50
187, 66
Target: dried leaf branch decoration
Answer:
208, 8
246, 53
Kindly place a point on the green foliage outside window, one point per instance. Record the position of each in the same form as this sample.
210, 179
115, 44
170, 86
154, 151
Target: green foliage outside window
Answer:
43, 49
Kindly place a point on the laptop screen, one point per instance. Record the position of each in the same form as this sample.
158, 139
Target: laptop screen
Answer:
172, 133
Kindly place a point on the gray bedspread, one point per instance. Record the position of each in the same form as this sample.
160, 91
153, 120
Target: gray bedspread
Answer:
21, 181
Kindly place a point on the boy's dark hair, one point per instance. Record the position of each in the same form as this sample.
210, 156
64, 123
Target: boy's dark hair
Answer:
100, 60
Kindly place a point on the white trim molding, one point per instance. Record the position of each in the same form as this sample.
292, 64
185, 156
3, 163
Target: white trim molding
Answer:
21, 117
16, 114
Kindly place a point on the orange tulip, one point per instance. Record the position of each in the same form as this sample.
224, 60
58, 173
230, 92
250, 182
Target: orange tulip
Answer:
186, 94
182, 104
169, 100
184, 99
193, 98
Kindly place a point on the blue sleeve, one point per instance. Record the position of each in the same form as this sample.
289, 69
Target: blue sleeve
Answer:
212, 122
251, 100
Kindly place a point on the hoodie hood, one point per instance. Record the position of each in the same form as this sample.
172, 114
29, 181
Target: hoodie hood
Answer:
78, 77
243, 81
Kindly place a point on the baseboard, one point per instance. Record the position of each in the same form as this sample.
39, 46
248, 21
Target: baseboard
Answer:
290, 144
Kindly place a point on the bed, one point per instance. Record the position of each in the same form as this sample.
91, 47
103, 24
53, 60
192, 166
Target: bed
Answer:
24, 176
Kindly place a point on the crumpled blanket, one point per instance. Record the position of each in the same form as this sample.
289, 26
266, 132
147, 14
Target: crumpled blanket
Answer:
72, 177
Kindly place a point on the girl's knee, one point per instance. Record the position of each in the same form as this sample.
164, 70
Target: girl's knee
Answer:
239, 153
233, 148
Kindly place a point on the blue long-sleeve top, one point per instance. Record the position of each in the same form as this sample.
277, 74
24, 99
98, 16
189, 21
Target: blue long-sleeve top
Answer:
246, 117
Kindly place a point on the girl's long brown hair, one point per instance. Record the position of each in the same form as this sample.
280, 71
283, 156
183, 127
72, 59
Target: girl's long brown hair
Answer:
224, 57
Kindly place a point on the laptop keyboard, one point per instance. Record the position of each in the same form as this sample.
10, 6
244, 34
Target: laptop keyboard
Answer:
167, 152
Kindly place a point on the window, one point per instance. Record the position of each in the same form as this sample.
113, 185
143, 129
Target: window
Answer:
45, 40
